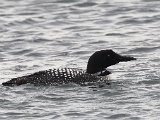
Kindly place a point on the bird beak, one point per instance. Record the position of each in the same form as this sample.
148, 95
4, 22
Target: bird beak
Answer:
126, 58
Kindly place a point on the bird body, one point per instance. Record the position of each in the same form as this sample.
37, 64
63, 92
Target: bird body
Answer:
96, 71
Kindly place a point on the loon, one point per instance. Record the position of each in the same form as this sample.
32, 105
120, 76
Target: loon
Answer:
96, 70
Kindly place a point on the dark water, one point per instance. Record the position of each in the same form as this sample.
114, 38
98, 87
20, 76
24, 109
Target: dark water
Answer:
41, 34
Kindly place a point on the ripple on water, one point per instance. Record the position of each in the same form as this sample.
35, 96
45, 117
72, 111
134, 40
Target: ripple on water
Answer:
136, 21
53, 98
144, 49
86, 4
66, 1
21, 52
118, 116
116, 34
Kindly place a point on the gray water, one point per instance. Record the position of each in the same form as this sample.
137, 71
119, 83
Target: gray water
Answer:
42, 34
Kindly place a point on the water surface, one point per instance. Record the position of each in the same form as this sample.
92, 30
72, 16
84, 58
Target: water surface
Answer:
38, 35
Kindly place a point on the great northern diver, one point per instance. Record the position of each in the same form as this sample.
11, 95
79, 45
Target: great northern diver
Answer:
96, 69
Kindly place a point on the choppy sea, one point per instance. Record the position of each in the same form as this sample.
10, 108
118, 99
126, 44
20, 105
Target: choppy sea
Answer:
42, 34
